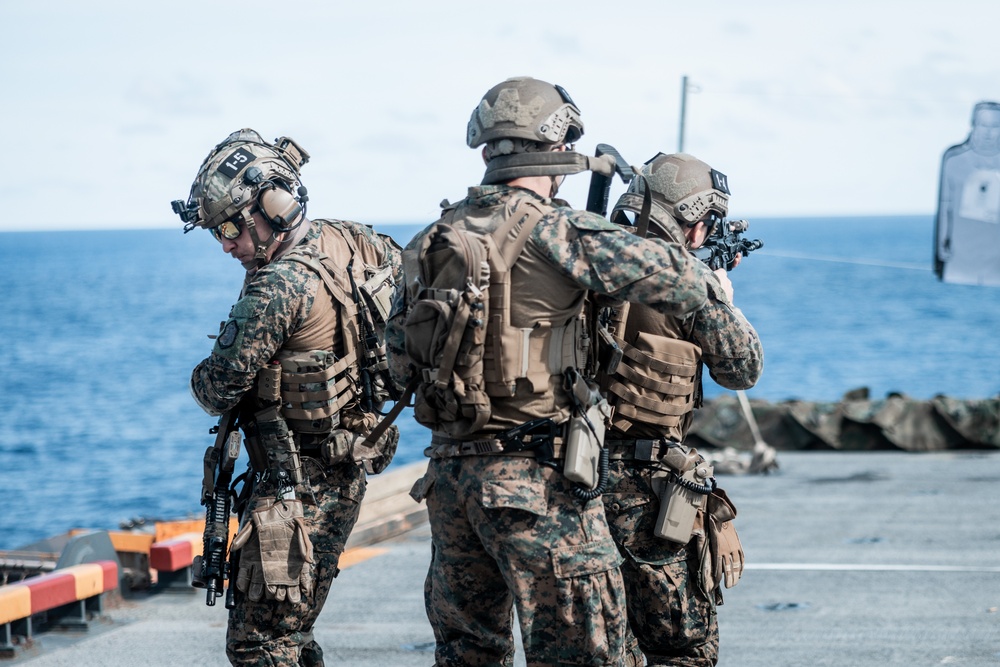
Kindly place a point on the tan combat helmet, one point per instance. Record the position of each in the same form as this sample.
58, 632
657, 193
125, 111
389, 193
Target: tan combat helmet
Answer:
673, 190
527, 109
244, 174
521, 121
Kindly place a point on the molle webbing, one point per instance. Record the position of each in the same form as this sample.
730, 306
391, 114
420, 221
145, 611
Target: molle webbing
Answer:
535, 353
656, 382
316, 385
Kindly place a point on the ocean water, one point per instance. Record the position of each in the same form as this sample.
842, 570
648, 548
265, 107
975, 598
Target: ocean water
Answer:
99, 331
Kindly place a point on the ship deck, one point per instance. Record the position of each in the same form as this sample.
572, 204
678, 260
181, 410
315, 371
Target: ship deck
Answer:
867, 558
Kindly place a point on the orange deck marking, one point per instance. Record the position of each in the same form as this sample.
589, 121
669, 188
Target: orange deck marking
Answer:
358, 555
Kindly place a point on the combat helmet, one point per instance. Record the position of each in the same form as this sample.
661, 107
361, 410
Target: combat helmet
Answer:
672, 190
244, 174
521, 121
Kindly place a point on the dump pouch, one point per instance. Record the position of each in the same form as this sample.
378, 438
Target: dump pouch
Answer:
376, 457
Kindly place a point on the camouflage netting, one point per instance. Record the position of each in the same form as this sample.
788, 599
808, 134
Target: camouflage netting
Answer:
852, 424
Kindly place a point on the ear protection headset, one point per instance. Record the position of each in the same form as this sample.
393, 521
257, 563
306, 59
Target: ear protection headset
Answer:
274, 200
280, 207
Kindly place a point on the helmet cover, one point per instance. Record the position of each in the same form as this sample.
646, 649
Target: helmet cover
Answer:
527, 109
236, 172
683, 188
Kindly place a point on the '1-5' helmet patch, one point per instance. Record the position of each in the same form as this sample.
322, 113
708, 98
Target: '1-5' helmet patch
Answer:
239, 159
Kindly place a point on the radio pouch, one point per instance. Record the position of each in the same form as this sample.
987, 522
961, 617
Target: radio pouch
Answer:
683, 495
583, 445
678, 508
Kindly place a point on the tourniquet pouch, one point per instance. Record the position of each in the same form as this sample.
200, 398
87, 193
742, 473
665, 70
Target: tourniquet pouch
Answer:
276, 553
338, 446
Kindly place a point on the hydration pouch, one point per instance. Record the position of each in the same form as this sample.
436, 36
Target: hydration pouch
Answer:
680, 502
584, 443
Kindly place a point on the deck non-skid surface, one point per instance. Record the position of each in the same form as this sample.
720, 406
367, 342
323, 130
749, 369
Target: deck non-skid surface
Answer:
854, 559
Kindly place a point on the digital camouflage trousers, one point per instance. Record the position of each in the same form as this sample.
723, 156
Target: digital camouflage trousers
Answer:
670, 618
507, 534
272, 633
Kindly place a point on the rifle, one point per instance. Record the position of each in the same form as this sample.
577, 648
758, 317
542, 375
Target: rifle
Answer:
211, 569
600, 184
724, 243
372, 363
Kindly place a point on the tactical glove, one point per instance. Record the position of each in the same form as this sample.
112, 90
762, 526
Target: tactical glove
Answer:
724, 544
276, 559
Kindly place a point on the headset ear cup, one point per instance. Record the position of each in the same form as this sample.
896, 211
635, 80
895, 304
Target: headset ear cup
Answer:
279, 207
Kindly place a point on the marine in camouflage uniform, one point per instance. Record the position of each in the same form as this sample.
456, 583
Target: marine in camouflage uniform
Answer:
507, 530
671, 604
286, 308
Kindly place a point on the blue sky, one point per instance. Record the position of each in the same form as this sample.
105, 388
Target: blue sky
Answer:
824, 108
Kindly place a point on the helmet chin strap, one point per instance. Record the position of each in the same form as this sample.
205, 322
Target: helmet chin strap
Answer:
261, 247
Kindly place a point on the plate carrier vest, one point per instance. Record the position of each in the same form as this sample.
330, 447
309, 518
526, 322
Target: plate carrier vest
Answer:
458, 331
658, 380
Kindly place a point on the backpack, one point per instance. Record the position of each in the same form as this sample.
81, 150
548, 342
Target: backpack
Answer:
451, 273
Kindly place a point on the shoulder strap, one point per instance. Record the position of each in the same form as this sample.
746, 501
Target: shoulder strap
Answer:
332, 276
523, 219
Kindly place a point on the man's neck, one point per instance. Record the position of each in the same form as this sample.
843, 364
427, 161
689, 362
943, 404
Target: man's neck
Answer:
292, 239
540, 185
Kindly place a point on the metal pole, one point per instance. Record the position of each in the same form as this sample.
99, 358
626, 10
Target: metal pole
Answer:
684, 91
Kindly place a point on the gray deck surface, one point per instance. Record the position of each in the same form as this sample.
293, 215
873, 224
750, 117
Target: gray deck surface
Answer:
854, 559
